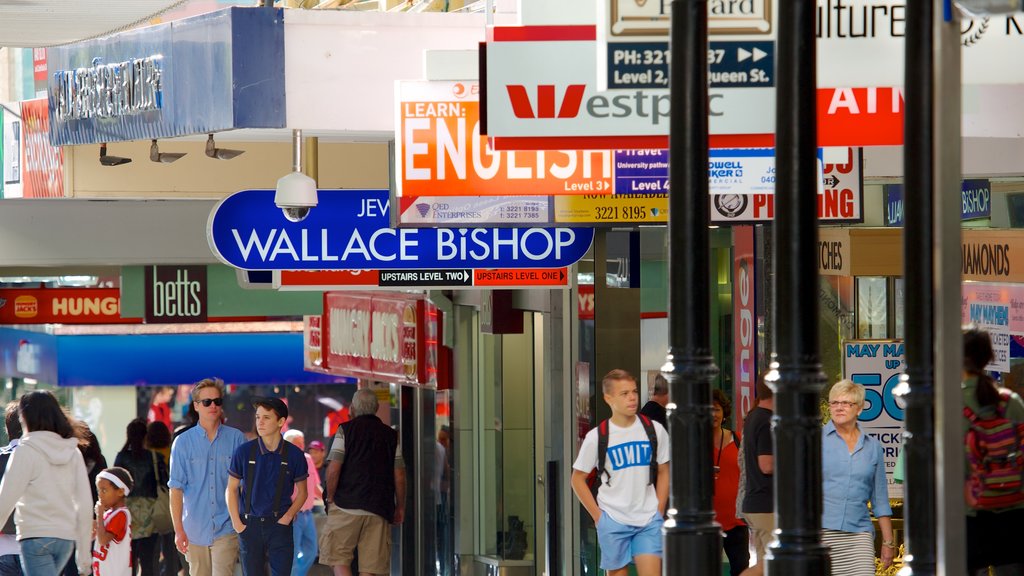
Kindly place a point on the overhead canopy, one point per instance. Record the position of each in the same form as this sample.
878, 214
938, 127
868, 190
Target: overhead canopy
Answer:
42, 23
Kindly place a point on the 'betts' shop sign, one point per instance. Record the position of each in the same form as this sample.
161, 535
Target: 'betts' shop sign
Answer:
350, 230
62, 306
387, 337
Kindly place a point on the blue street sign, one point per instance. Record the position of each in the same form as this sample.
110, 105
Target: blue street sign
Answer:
351, 230
731, 64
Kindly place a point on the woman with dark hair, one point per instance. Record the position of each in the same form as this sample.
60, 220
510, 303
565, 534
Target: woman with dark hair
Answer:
991, 534
158, 439
726, 454
47, 488
149, 472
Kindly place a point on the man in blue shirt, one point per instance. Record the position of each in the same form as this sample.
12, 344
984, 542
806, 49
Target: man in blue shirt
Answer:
266, 470
199, 476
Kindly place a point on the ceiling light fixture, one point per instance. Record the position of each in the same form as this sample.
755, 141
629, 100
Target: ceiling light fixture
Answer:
155, 155
108, 160
296, 192
220, 153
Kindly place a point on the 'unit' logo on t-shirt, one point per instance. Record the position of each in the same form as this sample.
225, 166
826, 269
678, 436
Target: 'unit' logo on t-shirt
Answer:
630, 454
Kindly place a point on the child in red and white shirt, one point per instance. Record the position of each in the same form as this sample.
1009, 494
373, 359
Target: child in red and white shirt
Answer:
112, 549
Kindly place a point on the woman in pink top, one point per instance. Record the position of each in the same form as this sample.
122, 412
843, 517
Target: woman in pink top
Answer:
304, 530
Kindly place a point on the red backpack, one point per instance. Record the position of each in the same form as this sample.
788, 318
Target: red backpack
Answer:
995, 453
594, 480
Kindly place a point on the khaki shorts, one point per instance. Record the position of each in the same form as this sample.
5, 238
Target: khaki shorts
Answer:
762, 527
344, 532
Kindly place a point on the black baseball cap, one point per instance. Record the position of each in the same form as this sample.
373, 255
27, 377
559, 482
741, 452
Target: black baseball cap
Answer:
271, 403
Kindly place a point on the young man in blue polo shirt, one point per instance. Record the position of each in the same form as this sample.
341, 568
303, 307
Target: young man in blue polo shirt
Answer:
261, 479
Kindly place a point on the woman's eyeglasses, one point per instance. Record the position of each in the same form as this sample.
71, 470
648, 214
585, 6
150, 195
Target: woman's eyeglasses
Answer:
215, 401
835, 403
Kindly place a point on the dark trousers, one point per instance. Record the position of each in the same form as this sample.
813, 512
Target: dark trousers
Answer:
265, 542
170, 564
10, 565
737, 549
146, 555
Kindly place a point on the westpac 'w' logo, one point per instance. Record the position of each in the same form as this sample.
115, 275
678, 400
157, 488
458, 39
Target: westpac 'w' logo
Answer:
522, 108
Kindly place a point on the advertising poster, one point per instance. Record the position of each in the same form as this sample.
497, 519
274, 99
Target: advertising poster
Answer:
984, 303
877, 365
994, 318
10, 153
44, 164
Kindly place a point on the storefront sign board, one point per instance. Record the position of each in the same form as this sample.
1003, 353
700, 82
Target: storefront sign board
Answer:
61, 306
975, 201
176, 294
877, 365
380, 336
992, 255
350, 230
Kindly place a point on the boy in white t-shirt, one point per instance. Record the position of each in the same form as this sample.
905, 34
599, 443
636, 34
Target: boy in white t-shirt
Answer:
629, 510
112, 549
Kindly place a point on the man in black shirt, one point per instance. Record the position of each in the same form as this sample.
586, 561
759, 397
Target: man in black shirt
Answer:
759, 464
655, 407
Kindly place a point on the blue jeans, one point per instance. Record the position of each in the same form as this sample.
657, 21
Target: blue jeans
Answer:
263, 542
304, 532
10, 565
45, 556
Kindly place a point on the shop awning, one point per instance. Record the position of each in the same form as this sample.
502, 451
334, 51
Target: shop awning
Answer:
42, 23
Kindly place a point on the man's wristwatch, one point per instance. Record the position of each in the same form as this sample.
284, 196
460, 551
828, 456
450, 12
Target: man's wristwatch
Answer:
888, 544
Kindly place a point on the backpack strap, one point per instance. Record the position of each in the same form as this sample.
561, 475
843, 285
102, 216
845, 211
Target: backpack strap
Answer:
602, 452
250, 476
652, 436
281, 475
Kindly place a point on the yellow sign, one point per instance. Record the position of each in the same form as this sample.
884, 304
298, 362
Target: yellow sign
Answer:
611, 209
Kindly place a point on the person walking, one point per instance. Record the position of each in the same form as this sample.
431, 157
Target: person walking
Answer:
630, 499
725, 455
200, 457
655, 407
112, 551
149, 474
263, 473
304, 528
853, 474
365, 491
47, 488
158, 439
10, 550
758, 508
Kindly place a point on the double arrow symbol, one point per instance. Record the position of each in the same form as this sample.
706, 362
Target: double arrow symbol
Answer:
744, 54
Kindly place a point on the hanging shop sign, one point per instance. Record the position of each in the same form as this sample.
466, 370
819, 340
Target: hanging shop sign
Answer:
744, 322
378, 336
176, 294
43, 163
439, 151
322, 280
312, 342
350, 230
218, 71
877, 365
975, 201
61, 306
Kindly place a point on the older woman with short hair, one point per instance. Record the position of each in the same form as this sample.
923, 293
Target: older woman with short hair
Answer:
853, 474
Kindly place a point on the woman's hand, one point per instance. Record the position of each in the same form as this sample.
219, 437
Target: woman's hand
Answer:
887, 555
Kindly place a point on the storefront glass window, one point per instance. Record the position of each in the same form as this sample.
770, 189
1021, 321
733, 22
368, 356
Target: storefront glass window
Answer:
898, 314
872, 307
835, 307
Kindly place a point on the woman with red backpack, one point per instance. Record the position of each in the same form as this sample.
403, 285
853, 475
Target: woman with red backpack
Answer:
993, 434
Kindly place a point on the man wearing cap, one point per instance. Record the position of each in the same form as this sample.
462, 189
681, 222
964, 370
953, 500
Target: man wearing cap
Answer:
365, 491
199, 475
263, 474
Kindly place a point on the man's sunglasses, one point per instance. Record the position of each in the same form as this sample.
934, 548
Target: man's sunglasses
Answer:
207, 401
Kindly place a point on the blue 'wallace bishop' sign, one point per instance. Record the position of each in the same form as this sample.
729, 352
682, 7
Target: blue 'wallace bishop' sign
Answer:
351, 230
975, 201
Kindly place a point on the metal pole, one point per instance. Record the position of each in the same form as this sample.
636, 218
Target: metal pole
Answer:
918, 259
692, 538
945, 190
797, 421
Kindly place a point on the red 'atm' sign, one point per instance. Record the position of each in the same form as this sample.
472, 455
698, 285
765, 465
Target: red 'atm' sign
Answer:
860, 116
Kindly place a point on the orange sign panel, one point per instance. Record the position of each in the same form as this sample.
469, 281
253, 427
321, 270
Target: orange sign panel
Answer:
440, 152
520, 277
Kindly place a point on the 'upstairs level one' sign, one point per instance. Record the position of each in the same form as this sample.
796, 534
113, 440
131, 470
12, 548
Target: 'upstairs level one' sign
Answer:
350, 230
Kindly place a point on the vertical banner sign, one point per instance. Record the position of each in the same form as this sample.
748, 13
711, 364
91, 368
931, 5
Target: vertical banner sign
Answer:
176, 294
39, 70
994, 318
877, 365
744, 329
44, 164
313, 345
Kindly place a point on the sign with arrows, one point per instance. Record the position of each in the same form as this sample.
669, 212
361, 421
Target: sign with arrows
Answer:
731, 64
324, 280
